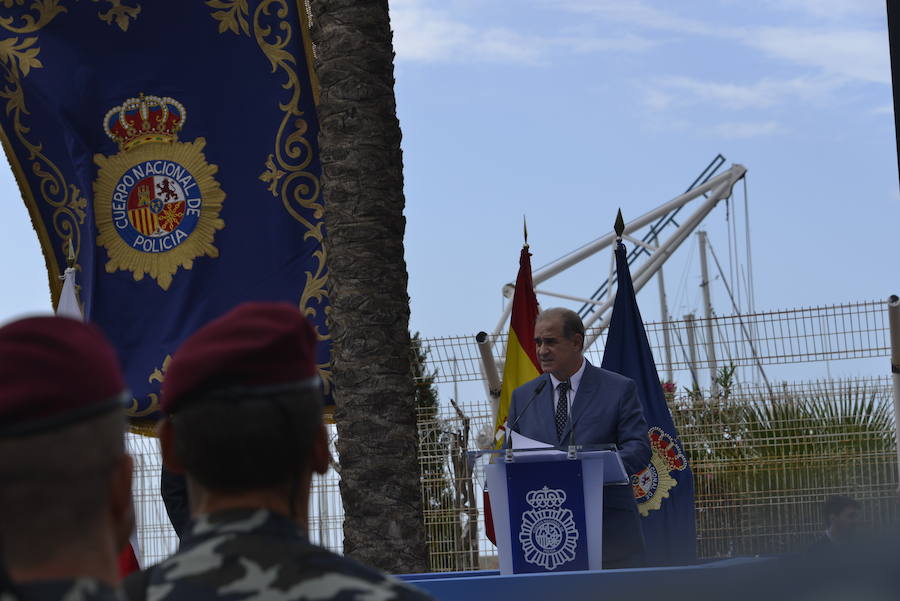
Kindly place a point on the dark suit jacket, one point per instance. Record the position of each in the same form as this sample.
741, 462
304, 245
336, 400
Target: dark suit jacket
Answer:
606, 409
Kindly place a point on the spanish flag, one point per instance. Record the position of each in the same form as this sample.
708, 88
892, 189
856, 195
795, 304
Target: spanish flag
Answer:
521, 363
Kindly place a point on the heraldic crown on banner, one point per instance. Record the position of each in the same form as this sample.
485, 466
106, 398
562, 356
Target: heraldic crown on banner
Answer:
144, 119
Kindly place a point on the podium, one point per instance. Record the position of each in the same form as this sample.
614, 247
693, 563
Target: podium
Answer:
547, 506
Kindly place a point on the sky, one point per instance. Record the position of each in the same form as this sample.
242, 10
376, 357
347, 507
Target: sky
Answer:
563, 111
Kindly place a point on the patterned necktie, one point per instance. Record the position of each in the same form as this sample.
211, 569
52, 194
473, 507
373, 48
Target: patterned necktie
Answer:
562, 408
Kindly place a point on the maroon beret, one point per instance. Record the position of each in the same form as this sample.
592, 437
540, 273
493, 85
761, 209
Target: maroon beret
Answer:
55, 371
257, 344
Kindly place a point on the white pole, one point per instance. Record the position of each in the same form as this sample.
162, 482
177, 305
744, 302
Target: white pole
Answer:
725, 180
648, 269
894, 320
707, 307
507, 311
692, 350
489, 367
580, 299
664, 313
729, 178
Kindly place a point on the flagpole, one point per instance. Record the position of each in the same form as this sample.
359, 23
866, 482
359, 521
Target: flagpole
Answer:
67, 305
894, 320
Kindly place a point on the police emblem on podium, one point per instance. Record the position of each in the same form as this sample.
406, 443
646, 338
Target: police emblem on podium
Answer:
548, 534
156, 202
547, 516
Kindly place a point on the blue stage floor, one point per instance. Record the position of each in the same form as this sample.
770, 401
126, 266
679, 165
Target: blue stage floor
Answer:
635, 584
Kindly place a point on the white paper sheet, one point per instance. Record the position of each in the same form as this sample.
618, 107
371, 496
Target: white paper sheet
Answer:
523, 442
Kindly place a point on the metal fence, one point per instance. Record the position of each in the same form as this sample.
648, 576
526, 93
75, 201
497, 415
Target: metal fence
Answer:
763, 464
764, 455
826, 333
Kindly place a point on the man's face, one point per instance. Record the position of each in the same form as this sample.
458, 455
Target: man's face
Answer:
557, 354
847, 522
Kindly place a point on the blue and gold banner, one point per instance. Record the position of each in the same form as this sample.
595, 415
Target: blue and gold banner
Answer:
663, 489
174, 144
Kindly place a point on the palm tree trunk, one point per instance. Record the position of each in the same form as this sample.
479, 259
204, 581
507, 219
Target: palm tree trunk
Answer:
362, 181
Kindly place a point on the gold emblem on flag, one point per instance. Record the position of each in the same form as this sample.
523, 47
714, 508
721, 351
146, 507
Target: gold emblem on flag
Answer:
156, 202
652, 484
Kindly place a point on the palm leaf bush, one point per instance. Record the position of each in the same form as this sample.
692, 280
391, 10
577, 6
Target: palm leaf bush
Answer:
764, 462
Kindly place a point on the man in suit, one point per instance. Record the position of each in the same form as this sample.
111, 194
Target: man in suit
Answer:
574, 402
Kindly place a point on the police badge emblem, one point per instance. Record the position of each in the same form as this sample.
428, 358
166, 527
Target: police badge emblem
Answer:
156, 202
548, 534
652, 484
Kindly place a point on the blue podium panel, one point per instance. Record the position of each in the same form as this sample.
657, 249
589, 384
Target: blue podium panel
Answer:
547, 516
533, 536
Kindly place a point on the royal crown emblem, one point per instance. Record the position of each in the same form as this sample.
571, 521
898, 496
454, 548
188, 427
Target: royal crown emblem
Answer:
652, 484
548, 534
156, 202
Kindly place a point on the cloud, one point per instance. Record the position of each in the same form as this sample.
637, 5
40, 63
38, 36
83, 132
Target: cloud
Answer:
835, 10
745, 129
586, 44
425, 34
856, 54
656, 100
766, 93
421, 34
635, 13
886, 109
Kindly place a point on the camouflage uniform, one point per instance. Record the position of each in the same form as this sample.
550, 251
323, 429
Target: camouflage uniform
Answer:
246, 554
82, 589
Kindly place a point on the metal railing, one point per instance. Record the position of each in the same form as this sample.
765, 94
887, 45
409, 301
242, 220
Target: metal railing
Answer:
824, 333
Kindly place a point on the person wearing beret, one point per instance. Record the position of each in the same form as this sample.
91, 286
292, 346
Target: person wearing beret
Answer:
243, 421
65, 498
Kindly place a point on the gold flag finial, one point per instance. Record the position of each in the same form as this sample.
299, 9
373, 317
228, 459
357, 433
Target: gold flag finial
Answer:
70, 257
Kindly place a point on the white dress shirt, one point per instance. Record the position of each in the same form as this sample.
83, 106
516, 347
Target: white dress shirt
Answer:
574, 381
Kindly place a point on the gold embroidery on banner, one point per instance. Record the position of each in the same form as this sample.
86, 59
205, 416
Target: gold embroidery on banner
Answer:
119, 13
285, 169
232, 16
46, 11
21, 56
18, 58
158, 375
272, 175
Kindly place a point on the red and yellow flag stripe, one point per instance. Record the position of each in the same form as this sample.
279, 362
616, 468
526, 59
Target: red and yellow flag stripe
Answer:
521, 363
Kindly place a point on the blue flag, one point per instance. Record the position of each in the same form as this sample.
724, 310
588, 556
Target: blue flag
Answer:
664, 490
175, 145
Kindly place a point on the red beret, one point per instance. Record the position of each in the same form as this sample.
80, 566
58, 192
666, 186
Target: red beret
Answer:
55, 371
257, 344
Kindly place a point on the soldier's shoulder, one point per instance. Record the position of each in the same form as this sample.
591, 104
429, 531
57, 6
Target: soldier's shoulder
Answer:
240, 569
81, 589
